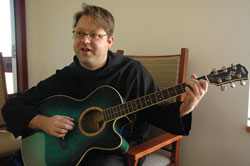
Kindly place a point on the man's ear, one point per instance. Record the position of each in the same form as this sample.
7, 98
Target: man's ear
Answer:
110, 41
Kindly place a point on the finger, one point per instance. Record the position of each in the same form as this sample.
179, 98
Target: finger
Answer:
188, 85
194, 84
200, 90
188, 89
61, 131
65, 126
201, 87
69, 118
204, 85
193, 76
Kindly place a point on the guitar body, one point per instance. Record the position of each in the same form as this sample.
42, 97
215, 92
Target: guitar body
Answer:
90, 130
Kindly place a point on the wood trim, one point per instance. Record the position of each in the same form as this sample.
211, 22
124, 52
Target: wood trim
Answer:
248, 129
183, 65
7, 63
154, 56
149, 146
176, 152
183, 70
20, 22
120, 52
3, 76
12, 95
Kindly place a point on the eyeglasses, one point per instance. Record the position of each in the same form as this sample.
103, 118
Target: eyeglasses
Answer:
91, 36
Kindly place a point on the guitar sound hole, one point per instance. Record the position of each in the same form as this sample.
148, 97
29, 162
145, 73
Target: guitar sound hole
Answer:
92, 121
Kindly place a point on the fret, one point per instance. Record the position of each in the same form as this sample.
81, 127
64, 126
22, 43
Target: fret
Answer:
133, 105
159, 96
165, 94
129, 107
153, 98
148, 100
111, 113
117, 112
114, 112
183, 87
126, 108
138, 103
117, 109
172, 92
143, 102
178, 89
104, 115
108, 114
122, 109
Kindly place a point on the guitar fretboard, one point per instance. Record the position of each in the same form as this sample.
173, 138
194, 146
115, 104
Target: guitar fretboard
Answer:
143, 102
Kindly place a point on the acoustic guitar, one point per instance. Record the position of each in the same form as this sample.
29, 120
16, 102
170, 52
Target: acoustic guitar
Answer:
98, 118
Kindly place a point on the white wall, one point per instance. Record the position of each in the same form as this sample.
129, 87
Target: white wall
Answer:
217, 33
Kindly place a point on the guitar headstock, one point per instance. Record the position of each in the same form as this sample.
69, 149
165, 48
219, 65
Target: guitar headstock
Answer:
231, 74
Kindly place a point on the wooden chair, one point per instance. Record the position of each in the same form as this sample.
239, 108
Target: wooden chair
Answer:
167, 71
8, 144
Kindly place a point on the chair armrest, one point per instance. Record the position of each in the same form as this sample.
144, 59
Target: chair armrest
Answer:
8, 144
152, 145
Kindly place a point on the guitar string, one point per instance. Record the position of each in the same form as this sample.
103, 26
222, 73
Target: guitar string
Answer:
153, 98
133, 105
126, 108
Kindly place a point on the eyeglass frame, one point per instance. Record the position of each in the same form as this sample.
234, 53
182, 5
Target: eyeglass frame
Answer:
98, 36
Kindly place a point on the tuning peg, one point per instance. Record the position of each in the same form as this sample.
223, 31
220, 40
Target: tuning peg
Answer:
243, 83
224, 69
232, 85
219, 80
222, 88
215, 72
234, 67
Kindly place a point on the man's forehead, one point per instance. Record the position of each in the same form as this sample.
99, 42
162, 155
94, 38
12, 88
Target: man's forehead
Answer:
86, 23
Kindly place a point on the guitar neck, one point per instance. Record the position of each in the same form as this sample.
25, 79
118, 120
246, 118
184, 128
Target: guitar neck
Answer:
143, 102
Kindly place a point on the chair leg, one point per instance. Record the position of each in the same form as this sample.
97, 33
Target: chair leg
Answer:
175, 153
132, 161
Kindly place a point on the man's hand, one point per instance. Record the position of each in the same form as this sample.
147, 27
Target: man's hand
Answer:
57, 125
193, 95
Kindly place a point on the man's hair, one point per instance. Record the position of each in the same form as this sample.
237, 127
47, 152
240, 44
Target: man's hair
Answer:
100, 16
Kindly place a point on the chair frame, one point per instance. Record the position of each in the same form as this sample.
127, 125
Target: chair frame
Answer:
3, 127
3, 76
136, 152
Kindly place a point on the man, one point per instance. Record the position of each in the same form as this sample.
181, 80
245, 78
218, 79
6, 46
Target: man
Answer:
93, 66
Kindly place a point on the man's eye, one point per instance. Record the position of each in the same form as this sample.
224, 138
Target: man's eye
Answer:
80, 33
93, 35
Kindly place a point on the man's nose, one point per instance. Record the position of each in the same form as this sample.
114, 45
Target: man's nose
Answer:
85, 39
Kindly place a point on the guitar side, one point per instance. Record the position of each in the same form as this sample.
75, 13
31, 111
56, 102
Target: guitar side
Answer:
42, 149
